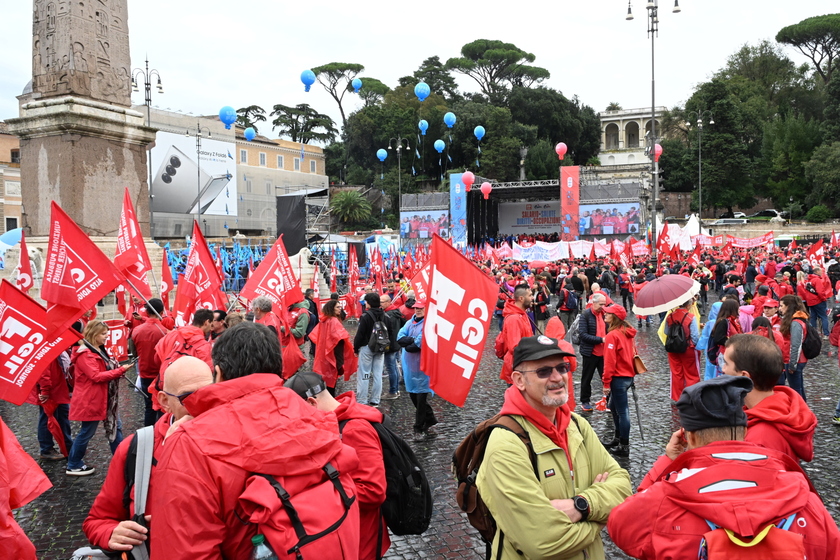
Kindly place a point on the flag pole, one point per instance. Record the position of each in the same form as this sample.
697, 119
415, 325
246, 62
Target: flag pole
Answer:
133, 287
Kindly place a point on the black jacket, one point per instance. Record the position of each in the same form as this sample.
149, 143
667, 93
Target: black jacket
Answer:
587, 328
365, 329
395, 321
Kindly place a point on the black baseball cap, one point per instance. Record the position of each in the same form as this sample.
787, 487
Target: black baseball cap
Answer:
715, 403
536, 348
306, 384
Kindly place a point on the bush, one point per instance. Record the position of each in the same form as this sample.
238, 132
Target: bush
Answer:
818, 214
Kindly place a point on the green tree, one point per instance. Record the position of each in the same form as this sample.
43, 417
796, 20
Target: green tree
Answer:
350, 207
302, 123
823, 171
337, 78
542, 162
497, 67
437, 77
787, 146
831, 113
250, 116
613, 106
373, 91
678, 167
818, 38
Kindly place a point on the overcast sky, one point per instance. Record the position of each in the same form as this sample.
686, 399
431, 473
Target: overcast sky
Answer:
212, 53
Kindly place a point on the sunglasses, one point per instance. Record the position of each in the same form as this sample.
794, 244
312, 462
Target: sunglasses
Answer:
546, 371
183, 396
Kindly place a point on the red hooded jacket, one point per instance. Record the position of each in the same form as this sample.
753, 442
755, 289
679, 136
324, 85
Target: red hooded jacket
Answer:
369, 476
90, 393
619, 350
666, 519
326, 335
242, 426
783, 422
146, 337
53, 384
107, 510
515, 327
819, 284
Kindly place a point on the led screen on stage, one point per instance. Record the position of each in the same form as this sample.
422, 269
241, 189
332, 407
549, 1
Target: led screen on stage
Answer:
609, 218
421, 224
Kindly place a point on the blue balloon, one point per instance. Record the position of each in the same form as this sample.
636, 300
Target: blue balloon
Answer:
423, 126
227, 115
422, 91
357, 85
308, 78
250, 133
449, 119
439, 146
479, 132
381, 154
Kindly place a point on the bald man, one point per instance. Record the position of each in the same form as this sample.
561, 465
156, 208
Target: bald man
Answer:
108, 525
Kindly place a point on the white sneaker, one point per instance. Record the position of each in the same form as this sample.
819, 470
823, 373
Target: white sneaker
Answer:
83, 471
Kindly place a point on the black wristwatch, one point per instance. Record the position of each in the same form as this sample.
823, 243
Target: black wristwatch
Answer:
582, 505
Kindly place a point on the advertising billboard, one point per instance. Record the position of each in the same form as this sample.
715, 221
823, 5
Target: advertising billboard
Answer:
458, 208
609, 218
542, 216
184, 181
421, 224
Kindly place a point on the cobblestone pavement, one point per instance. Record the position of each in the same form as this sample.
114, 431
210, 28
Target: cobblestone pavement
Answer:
54, 520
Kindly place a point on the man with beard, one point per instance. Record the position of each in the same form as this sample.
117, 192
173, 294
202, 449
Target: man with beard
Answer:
555, 506
516, 325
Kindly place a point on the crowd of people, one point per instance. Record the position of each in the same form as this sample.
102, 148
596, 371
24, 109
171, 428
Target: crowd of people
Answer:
246, 420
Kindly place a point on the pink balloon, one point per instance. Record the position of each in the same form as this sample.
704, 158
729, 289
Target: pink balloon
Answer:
657, 151
486, 188
468, 178
560, 149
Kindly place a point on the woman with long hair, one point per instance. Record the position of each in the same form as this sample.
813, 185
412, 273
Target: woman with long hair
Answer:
333, 347
94, 399
620, 349
761, 326
793, 329
727, 324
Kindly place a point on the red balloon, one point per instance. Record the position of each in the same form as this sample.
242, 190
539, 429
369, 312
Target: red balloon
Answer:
486, 188
657, 151
560, 149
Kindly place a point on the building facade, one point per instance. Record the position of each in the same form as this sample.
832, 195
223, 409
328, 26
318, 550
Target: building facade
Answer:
11, 205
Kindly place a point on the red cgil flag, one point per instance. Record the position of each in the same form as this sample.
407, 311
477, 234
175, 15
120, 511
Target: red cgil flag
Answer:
166, 283
77, 274
28, 344
333, 273
275, 279
378, 268
131, 258
816, 254
353, 272
200, 286
23, 271
456, 322
726, 251
694, 259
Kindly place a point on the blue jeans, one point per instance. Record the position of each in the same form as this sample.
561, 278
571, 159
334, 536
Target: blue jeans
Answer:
150, 415
45, 437
820, 311
393, 373
794, 379
77, 452
370, 369
620, 408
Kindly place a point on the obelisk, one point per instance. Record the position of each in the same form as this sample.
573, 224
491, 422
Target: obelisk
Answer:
81, 143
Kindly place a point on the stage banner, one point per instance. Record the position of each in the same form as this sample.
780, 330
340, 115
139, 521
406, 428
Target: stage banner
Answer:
458, 211
542, 216
742, 243
544, 252
569, 202
707, 241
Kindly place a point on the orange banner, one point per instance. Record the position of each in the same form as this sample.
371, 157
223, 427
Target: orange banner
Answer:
569, 203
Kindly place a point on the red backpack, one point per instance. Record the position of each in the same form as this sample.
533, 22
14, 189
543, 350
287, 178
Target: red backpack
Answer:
775, 541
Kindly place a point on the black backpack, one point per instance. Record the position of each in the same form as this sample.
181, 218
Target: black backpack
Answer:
811, 344
675, 340
408, 499
380, 340
607, 280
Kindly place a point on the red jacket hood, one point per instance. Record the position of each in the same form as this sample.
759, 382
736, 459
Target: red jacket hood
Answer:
192, 334
512, 309
256, 424
759, 490
789, 414
350, 409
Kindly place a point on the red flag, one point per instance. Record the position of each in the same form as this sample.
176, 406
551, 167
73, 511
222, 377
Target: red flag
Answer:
833, 239
378, 268
27, 346
592, 254
200, 286
131, 258
333, 274
816, 254
275, 279
694, 259
315, 284
23, 271
76, 275
220, 268
166, 283
352, 270
456, 323
420, 283
726, 251
119, 295
792, 244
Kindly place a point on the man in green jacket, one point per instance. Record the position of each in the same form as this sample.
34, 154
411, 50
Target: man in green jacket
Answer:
556, 508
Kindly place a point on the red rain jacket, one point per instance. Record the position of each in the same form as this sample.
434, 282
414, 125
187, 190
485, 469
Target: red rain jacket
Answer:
242, 426
515, 327
54, 384
666, 519
107, 511
146, 337
293, 357
783, 422
326, 335
90, 393
21, 481
369, 476
619, 350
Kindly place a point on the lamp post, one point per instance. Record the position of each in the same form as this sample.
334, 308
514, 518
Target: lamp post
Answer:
147, 76
399, 144
700, 116
653, 32
199, 134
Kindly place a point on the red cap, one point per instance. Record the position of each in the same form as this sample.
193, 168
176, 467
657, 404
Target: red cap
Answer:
616, 310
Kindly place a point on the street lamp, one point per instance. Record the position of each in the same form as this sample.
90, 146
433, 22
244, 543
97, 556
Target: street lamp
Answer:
147, 76
199, 134
399, 144
700, 116
653, 31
